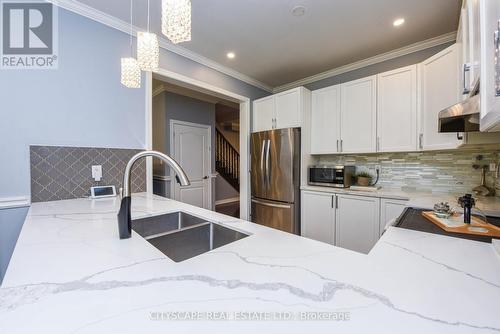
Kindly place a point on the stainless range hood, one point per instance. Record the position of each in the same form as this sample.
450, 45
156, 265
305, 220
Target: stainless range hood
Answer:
461, 117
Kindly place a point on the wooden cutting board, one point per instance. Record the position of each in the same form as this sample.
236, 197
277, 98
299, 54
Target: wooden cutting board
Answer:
455, 224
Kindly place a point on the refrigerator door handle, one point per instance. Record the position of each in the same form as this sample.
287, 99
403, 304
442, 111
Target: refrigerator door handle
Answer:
273, 205
268, 169
262, 163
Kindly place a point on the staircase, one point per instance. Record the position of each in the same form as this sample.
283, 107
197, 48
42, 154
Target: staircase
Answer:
227, 160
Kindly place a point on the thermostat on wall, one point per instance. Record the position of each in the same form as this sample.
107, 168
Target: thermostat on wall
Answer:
102, 191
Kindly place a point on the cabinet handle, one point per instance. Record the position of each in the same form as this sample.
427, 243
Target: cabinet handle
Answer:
497, 59
336, 202
333, 204
341, 145
338, 145
466, 68
378, 144
420, 139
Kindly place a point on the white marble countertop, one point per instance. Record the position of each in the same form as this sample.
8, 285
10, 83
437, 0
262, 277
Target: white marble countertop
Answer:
71, 274
489, 205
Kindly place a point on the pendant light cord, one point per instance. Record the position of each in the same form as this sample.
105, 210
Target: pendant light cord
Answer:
131, 27
148, 15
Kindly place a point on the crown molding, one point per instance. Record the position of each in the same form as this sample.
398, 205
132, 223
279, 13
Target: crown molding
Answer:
419, 46
113, 22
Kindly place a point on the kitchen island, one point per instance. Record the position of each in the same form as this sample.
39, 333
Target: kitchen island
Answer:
70, 273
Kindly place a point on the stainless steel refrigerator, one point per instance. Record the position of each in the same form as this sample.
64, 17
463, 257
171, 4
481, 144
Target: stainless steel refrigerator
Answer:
275, 175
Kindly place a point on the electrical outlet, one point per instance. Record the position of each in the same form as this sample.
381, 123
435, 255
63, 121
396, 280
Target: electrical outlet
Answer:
377, 167
493, 167
97, 173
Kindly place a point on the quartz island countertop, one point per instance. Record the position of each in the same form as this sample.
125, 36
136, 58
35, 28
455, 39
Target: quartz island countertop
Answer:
70, 273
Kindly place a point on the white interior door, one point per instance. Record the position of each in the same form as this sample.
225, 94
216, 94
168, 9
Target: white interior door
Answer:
190, 146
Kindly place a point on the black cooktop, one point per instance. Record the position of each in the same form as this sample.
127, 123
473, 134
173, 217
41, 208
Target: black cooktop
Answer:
412, 219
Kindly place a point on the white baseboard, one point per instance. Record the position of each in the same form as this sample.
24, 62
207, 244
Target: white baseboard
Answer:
14, 202
227, 200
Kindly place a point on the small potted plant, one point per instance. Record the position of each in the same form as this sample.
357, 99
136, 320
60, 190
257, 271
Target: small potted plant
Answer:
364, 179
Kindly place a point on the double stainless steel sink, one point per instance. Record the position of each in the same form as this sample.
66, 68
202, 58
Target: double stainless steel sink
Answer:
181, 236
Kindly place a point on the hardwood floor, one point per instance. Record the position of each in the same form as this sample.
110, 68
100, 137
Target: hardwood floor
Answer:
230, 209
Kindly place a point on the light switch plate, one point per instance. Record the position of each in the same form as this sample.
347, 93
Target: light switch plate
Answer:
97, 172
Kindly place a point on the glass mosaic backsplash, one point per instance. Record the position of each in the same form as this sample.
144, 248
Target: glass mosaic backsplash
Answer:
443, 171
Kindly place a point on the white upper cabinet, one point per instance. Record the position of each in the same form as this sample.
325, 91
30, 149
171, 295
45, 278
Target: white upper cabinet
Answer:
279, 111
318, 216
439, 89
325, 120
359, 115
288, 109
490, 71
263, 114
397, 110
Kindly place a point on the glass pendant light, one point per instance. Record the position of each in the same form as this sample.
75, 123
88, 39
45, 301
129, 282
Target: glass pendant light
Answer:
130, 71
176, 20
148, 50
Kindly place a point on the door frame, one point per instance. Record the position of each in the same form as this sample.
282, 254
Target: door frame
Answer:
208, 128
207, 88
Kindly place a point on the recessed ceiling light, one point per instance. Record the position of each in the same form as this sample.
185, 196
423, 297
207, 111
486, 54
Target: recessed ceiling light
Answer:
298, 11
231, 55
398, 22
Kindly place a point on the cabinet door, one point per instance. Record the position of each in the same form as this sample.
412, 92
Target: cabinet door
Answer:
439, 79
390, 209
474, 41
397, 110
359, 115
490, 88
288, 109
263, 114
325, 120
357, 222
318, 216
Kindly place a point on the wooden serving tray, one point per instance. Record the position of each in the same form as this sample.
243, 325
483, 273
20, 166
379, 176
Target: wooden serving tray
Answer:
473, 228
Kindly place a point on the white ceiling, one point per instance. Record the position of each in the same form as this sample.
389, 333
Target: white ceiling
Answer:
276, 48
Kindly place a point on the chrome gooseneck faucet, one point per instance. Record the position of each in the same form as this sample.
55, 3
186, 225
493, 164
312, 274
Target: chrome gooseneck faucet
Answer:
124, 218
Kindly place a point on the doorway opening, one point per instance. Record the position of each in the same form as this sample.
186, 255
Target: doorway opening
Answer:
201, 132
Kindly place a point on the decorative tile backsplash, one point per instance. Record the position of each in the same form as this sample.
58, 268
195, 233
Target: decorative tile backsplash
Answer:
65, 172
444, 171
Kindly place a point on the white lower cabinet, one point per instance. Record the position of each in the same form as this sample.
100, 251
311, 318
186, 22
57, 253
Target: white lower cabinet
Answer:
357, 222
389, 210
348, 221
318, 216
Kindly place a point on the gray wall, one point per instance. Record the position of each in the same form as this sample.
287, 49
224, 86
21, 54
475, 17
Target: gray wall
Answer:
170, 106
82, 103
223, 190
11, 222
388, 65
187, 109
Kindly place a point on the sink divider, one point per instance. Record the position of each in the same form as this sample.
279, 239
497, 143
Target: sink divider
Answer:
180, 229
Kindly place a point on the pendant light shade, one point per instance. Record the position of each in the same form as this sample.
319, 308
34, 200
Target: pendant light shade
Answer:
148, 51
131, 73
176, 20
